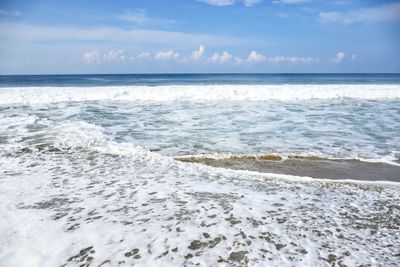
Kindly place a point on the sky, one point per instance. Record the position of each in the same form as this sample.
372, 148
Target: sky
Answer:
199, 36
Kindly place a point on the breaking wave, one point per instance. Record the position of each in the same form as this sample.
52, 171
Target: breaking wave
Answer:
43, 95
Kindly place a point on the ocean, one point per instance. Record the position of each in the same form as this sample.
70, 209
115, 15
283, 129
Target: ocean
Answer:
200, 170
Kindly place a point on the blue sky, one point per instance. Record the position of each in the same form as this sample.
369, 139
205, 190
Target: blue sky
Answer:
145, 36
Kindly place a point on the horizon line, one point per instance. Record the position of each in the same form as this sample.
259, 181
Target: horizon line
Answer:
210, 73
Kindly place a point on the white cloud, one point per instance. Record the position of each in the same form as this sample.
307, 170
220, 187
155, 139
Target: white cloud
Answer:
388, 12
164, 55
143, 55
353, 57
197, 54
300, 59
255, 57
219, 58
218, 2
281, 59
238, 60
338, 58
114, 55
92, 57
249, 3
22, 32
277, 59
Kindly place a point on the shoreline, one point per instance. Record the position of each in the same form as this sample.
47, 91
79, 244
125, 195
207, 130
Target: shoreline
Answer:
319, 168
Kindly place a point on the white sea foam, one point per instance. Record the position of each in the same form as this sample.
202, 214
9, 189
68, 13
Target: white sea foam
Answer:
42, 95
74, 190
388, 159
149, 210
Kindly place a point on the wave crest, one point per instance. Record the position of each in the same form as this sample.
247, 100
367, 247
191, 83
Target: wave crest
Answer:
43, 95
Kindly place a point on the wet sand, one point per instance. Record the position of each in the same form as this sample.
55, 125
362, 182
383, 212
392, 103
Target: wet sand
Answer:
311, 167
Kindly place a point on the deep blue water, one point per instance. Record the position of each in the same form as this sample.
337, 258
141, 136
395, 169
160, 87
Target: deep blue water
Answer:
187, 79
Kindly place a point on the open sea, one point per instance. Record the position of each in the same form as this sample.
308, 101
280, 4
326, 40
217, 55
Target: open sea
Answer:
200, 170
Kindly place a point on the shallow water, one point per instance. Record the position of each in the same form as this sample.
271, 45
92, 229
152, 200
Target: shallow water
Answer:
88, 175
336, 169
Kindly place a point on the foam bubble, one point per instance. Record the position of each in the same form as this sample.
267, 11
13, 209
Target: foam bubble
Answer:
149, 210
43, 95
